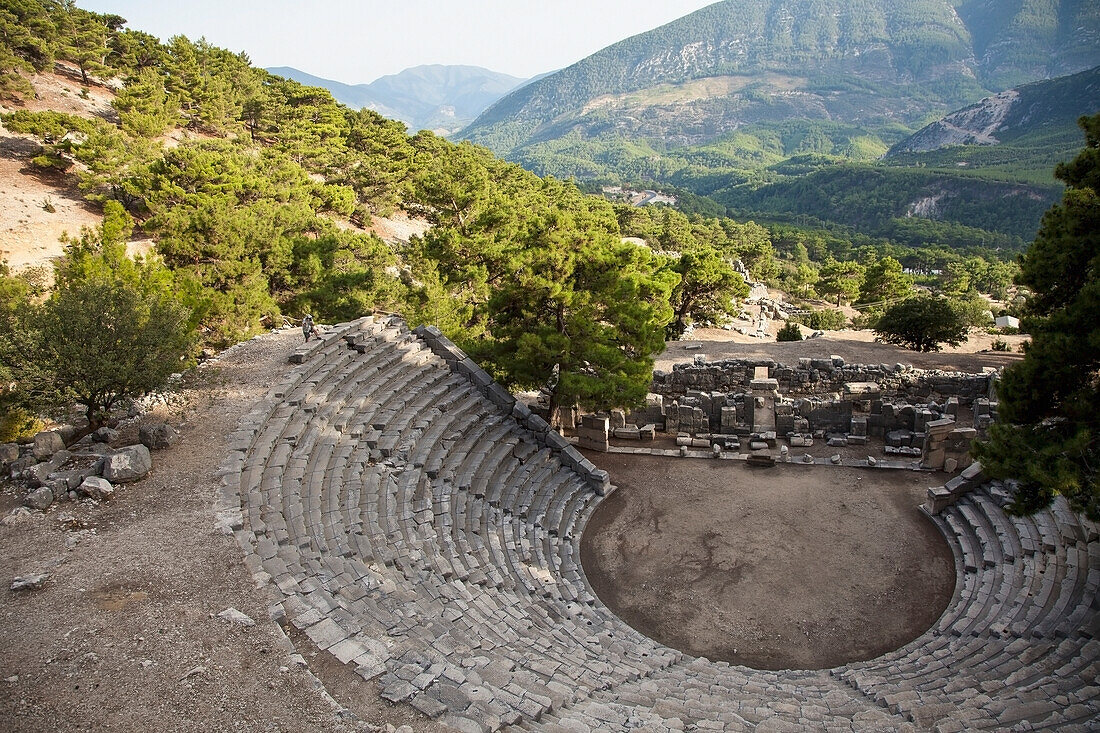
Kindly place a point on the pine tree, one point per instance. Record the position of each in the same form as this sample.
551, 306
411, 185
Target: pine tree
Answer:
1048, 436
839, 278
707, 290
884, 280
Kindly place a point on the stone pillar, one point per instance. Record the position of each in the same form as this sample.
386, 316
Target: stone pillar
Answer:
592, 433
933, 452
618, 419
568, 417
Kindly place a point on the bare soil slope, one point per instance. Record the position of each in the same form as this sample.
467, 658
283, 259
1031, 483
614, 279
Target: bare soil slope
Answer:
29, 230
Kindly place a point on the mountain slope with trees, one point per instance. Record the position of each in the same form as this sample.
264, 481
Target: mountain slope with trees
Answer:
739, 101
873, 63
1017, 115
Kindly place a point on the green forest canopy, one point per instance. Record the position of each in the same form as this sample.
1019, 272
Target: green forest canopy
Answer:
257, 200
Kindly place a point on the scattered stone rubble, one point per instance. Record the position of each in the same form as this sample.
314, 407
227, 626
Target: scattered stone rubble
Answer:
90, 467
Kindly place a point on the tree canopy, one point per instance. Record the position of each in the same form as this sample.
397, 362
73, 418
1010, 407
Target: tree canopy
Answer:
112, 328
922, 323
708, 290
1049, 428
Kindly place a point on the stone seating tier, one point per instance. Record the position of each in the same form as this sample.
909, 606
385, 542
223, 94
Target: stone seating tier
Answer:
423, 527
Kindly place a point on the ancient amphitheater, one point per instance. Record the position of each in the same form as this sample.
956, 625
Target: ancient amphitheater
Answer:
424, 529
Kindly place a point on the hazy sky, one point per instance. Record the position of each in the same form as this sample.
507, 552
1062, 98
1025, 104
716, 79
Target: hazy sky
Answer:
356, 42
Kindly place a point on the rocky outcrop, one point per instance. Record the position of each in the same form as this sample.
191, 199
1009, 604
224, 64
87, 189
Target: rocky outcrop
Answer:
977, 124
87, 469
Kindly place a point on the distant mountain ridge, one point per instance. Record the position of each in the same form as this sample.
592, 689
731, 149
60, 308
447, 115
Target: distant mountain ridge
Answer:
884, 65
1012, 114
432, 97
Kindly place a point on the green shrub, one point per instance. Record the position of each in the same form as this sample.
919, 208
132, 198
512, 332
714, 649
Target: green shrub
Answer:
18, 425
922, 323
1000, 345
789, 332
826, 319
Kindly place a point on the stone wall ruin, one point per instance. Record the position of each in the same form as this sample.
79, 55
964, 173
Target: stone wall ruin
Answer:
930, 415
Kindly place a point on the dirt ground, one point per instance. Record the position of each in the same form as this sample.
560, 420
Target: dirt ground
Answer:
125, 634
856, 347
773, 568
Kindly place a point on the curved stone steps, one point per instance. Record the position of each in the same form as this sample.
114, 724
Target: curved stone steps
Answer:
422, 529
1003, 642
719, 696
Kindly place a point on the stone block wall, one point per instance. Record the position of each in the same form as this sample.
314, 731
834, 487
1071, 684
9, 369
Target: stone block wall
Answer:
946, 446
592, 432
823, 376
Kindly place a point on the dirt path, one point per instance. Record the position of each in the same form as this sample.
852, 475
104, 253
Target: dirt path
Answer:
125, 634
788, 567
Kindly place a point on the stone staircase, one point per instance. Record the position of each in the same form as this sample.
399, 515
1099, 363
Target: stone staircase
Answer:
424, 529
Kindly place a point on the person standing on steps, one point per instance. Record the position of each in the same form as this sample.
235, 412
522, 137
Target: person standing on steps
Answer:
308, 329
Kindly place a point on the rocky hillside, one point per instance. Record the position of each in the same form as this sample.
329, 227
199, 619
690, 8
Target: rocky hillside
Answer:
884, 65
435, 97
1013, 114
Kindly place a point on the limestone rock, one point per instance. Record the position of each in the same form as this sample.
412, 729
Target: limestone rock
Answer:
71, 479
131, 463
96, 488
40, 498
47, 443
233, 615
105, 435
9, 453
18, 515
29, 582
158, 435
22, 464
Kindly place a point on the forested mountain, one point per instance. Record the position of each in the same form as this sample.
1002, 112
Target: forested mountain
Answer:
1039, 109
433, 97
882, 65
985, 168
781, 110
